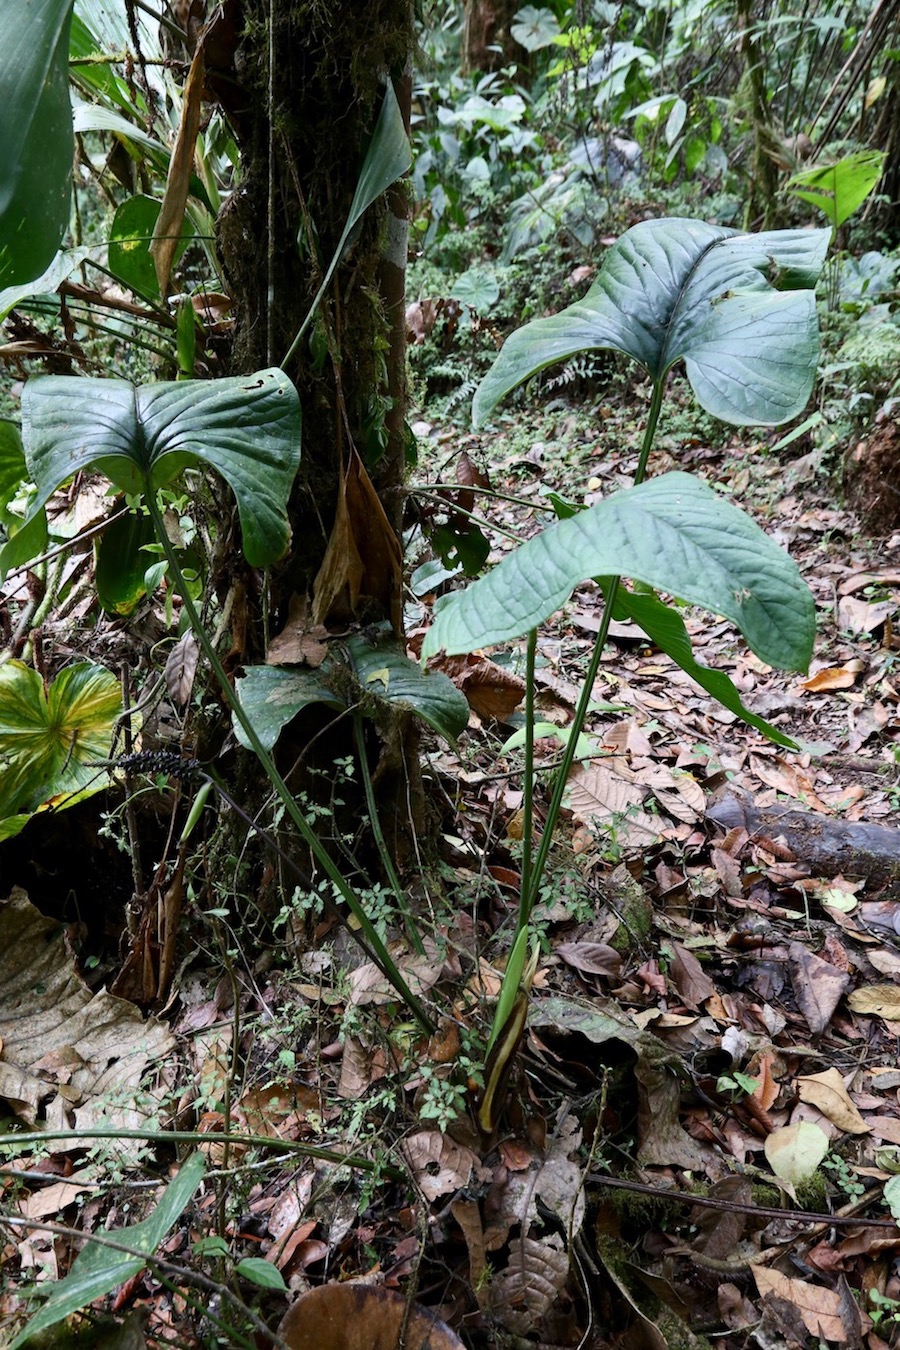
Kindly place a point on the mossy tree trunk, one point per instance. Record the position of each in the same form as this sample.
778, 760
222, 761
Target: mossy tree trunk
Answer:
311, 77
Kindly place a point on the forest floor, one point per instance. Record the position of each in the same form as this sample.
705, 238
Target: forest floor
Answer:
699, 1136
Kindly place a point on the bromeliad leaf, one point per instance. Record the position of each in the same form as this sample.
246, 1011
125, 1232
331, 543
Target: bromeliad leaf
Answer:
738, 309
675, 534
247, 428
273, 695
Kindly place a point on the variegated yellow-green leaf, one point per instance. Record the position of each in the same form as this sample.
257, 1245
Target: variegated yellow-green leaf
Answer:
50, 739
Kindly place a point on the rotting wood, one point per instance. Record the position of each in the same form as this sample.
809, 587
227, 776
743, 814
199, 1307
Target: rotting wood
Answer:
826, 844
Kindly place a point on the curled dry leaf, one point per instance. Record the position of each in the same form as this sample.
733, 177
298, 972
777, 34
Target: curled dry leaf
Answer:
356, 1316
440, 1165
300, 642
827, 1092
593, 958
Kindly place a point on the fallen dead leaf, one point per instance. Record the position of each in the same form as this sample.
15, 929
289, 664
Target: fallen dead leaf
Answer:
878, 1000
357, 1316
101, 1045
827, 1092
822, 1310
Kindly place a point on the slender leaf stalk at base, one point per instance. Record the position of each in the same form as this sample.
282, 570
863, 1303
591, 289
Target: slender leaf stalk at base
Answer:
380, 953
375, 821
587, 690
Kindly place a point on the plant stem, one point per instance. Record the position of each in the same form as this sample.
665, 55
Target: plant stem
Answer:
584, 702
37, 1138
381, 955
374, 820
528, 786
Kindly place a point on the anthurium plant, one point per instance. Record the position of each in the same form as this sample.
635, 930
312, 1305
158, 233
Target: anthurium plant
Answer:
738, 311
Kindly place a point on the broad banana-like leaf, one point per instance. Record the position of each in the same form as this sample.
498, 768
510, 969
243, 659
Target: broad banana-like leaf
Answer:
247, 428
673, 533
35, 135
49, 740
273, 695
737, 309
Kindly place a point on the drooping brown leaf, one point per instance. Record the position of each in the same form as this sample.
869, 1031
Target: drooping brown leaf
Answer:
357, 1316
818, 986
363, 559
167, 230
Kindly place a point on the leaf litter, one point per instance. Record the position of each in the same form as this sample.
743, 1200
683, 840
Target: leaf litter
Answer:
714, 1020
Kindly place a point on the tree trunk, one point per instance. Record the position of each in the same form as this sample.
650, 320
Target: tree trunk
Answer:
312, 76
487, 41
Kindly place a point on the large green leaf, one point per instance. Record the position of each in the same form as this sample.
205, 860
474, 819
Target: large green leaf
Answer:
247, 428
97, 1269
36, 135
50, 740
839, 189
60, 269
738, 309
129, 244
273, 695
675, 534
665, 627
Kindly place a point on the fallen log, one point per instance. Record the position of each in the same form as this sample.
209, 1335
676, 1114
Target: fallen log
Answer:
827, 844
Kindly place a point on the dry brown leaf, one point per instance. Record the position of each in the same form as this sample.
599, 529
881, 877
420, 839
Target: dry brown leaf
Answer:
833, 677
440, 1165
818, 986
181, 668
369, 984
594, 958
167, 230
523, 1293
491, 689
601, 795
101, 1045
826, 1091
357, 1316
363, 559
878, 1000
822, 1310
300, 642
689, 977
54, 1198
861, 616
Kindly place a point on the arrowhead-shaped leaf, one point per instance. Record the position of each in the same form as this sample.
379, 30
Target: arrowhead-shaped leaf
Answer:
273, 695
36, 136
738, 309
247, 428
674, 533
